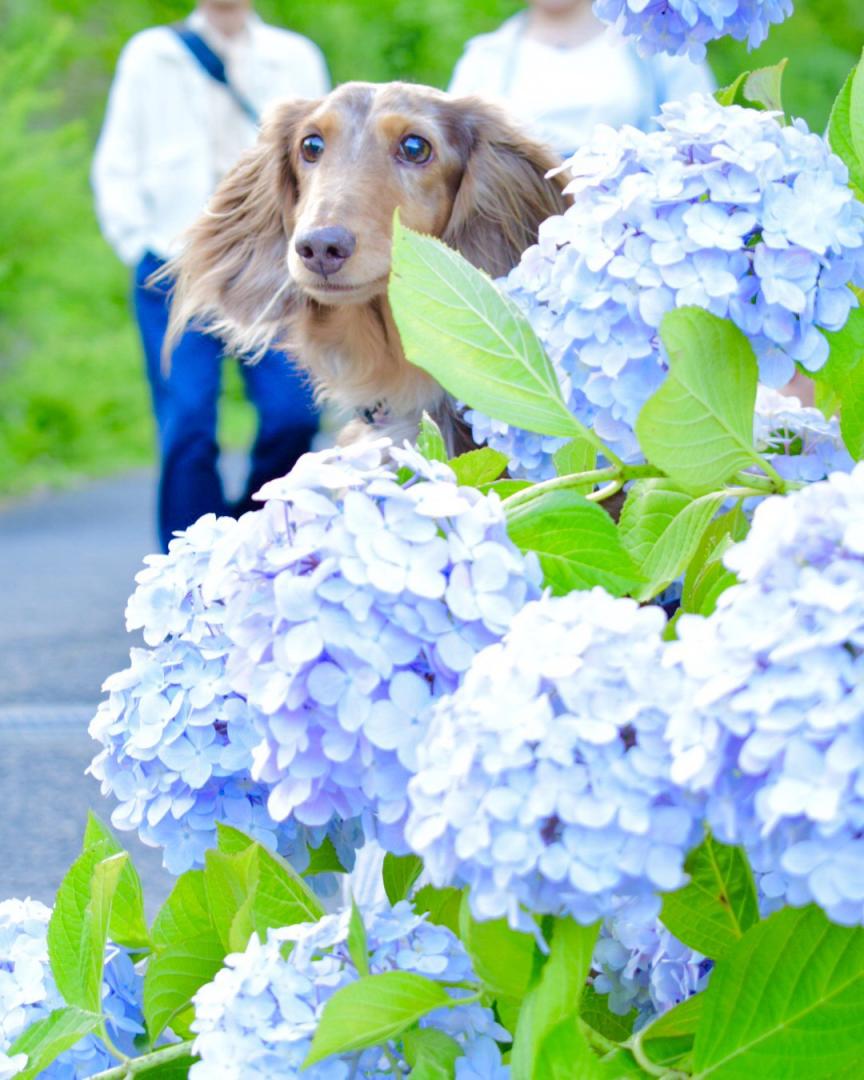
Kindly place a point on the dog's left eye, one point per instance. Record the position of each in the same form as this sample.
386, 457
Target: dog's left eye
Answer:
415, 150
312, 147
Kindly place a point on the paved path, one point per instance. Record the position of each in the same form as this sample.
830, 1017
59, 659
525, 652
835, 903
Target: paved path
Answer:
67, 563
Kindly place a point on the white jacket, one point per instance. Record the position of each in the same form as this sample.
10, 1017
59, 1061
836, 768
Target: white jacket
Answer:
562, 94
155, 164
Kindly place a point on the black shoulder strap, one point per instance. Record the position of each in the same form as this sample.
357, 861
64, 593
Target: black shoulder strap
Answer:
214, 66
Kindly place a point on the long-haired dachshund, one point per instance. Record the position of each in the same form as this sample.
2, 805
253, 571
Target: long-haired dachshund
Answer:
294, 248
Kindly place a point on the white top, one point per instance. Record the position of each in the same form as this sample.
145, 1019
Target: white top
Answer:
563, 93
171, 131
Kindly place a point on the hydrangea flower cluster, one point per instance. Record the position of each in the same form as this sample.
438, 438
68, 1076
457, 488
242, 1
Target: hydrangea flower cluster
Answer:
680, 27
353, 600
178, 741
774, 737
715, 210
798, 440
544, 780
259, 1014
28, 994
642, 965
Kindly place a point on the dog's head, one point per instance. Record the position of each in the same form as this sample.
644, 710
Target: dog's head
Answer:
307, 214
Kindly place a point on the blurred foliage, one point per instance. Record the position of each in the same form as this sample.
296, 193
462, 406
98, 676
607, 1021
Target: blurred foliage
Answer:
73, 398
823, 41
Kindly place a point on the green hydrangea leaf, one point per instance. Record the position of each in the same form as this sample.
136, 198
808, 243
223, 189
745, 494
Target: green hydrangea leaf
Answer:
661, 527
787, 1000
505, 488
373, 1010
399, 873
78, 930
456, 325
128, 925
576, 541
713, 911
44, 1041
358, 948
547, 1027
698, 427
477, 467
840, 133
706, 576
430, 441
670, 1038
763, 87
431, 1054
175, 973
324, 860
502, 958
440, 906
594, 1010
730, 95
275, 894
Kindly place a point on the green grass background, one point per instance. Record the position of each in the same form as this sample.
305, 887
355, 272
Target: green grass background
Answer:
73, 399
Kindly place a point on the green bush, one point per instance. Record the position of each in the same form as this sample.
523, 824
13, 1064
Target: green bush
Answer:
73, 399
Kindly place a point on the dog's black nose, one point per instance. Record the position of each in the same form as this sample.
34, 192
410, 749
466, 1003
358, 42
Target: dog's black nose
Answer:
325, 251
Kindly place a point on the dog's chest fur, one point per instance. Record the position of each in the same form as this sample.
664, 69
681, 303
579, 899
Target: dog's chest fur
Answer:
356, 360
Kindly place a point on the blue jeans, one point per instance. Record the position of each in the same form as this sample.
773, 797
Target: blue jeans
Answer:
185, 401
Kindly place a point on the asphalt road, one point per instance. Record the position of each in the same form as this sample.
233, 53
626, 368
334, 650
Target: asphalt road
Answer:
67, 564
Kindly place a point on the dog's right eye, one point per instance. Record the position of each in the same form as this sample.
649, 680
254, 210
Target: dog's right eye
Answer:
312, 147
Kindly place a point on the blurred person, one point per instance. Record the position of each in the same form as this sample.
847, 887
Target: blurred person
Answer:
562, 72
183, 106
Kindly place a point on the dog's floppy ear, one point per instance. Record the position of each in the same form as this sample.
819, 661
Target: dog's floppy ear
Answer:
504, 194
232, 275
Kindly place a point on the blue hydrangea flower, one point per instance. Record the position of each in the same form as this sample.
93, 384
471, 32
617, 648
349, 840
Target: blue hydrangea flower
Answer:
258, 1016
28, 993
529, 455
715, 209
680, 27
178, 741
798, 440
544, 780
774, 734
352, 601
169, 601
640, 964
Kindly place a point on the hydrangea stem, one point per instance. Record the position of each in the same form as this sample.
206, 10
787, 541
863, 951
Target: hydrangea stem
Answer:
599, 1043
106, 1038
614, 478
748, 492
771, 472
634, 1045
472, 999
772, 484
394, 1063
589, 435
611, 476
606, 492
134, 1066
556, 483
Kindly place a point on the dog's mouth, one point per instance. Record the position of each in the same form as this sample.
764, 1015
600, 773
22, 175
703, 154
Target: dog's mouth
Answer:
321, 286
